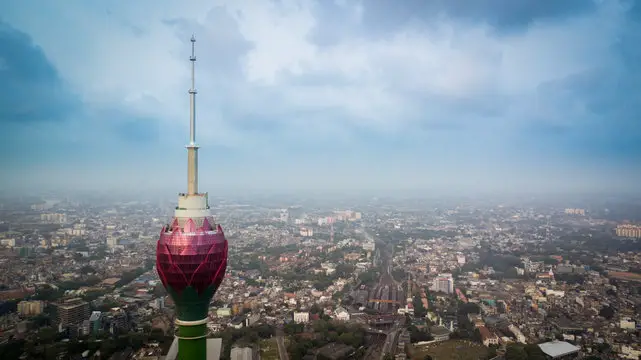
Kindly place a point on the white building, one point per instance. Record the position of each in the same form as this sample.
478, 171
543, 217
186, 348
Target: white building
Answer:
306, 232
369, 246
341, 314
112, 242
301, 317
517, 334
627, 324
443, 283
559, 293
557, 349
244, 353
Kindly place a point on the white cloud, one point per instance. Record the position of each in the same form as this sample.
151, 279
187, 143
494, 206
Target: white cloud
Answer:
130, 57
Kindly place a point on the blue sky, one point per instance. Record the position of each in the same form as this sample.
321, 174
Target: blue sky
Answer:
442, 95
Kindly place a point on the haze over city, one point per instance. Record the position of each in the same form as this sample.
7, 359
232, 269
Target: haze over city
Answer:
323, 95
320, 180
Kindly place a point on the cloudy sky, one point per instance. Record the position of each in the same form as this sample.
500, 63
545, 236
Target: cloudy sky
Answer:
432, 95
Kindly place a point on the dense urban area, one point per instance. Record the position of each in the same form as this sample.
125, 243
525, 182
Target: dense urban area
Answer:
374, 278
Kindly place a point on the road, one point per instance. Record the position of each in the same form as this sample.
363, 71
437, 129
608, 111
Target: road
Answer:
282, 350
388, 346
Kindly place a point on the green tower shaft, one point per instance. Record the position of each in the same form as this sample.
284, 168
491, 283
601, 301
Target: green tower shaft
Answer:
191, 312
192, 341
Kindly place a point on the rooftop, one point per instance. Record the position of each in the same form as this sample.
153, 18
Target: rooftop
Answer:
558, 348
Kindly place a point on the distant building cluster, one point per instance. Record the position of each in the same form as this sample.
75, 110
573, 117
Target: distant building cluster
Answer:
53, 218
628, 230
575, 212
297, 216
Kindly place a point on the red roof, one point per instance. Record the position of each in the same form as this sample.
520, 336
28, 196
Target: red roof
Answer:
485, 333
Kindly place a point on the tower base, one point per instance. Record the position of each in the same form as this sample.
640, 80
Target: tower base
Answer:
214, 349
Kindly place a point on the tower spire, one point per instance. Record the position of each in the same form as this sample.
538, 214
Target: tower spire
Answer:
192, 148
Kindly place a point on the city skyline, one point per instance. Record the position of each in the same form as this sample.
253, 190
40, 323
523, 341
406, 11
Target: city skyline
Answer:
309, 95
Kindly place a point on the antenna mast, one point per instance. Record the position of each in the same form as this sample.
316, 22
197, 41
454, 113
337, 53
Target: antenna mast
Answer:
192, 148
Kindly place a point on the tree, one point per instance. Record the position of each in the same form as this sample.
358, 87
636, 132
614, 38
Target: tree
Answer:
515, 352
417, 335
344, 270
265, 331
607, 312
491, 352
41, 320
47, 293
86, 269
419, 310
534, 352
602, 347
12, 349
347, 338
293, 328
469, 308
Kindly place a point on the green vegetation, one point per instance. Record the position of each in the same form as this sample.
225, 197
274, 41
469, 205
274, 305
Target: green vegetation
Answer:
253, 263
399, 274
12, 349
46, 344
500, 263
326, 332
419, 310
87, 269
450, 350
243, 336
369, 277
345, 270
572, 279
92, 295
468, 308
47, 293
607, 312
524, 352
293, 328
417, 335
129, 276
269, 350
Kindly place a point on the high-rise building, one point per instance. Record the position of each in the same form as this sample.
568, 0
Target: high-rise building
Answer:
191, 255
443, 283
71, 312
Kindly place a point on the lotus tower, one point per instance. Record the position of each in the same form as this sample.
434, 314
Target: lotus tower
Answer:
191, 255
